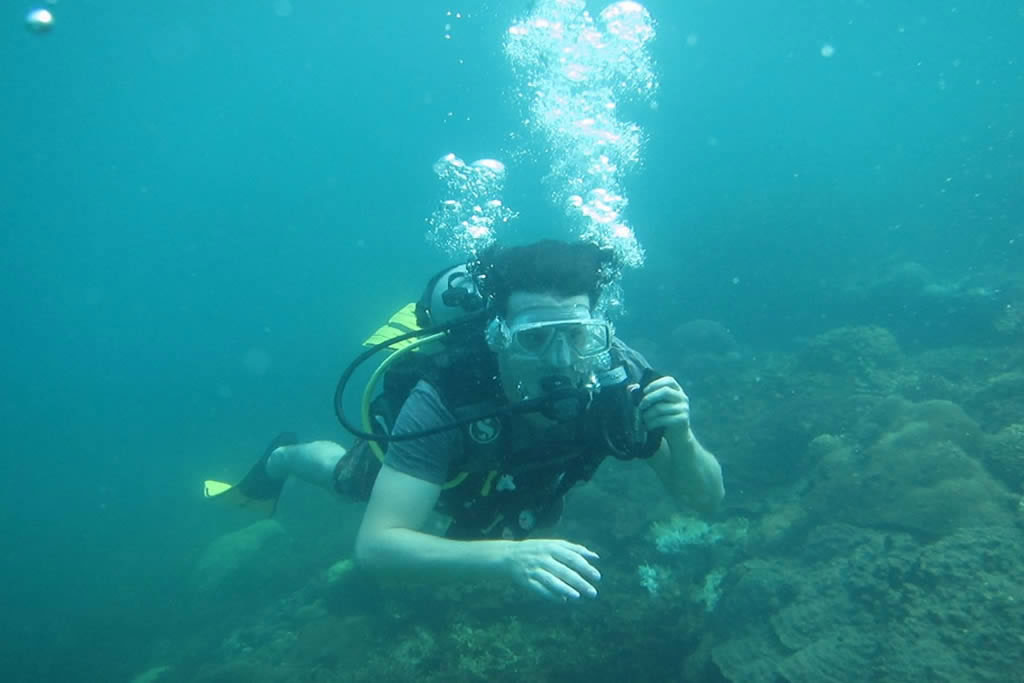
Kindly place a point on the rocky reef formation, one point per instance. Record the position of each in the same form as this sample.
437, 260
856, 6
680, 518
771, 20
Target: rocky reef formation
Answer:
873, 530
891, 553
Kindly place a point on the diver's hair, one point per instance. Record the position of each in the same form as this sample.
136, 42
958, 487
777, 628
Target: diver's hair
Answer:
547, 267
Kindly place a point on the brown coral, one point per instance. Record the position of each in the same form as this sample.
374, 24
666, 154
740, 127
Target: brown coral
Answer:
1003, 454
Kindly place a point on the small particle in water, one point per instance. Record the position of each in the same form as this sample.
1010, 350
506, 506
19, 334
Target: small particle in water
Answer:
827, 50
283, 8
39, 20
735, 280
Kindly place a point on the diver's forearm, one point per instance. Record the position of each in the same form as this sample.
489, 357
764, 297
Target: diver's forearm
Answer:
414, 554
691, 473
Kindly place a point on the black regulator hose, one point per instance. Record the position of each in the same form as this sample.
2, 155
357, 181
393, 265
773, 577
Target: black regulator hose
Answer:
339, 392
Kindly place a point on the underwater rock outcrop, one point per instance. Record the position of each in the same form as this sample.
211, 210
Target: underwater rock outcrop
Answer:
702, 350
703, 336
1003, 454
915, 475
925, 309
858, 604
905, 565
857, 352
999, 401
235, 554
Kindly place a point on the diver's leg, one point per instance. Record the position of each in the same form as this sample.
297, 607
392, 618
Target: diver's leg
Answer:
355, 474
313, 462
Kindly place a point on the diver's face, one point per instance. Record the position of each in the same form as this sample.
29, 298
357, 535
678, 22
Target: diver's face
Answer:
524, 373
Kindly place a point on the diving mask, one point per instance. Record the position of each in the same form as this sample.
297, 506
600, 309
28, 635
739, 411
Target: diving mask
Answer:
585, 338
527, 336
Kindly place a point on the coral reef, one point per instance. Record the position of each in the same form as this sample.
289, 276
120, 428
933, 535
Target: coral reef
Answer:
852, 352
872, 531
1000, 400
871, 605
1003, 454
916, 476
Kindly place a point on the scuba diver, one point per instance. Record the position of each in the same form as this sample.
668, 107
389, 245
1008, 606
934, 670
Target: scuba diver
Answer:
504, 388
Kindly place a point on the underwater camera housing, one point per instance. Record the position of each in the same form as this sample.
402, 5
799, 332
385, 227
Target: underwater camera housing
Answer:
615, 416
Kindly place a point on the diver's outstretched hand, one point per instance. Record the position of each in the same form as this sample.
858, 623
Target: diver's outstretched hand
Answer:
554, 569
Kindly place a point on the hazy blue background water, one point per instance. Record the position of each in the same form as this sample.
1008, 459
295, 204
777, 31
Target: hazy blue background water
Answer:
205, 207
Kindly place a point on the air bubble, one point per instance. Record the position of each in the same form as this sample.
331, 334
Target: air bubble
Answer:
465, 221
575, 70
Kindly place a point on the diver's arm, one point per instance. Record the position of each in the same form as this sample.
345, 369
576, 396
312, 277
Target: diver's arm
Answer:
389, 539
390, 542
689, 472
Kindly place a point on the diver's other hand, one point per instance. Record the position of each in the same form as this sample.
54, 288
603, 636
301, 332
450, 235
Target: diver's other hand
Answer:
554, 569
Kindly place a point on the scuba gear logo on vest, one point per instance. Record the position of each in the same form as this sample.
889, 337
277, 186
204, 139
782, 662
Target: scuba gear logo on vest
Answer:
485, 431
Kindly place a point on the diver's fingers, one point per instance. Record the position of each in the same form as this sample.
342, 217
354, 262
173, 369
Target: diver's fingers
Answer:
662, 395
543, 591
575, 561
570, 578
559, 588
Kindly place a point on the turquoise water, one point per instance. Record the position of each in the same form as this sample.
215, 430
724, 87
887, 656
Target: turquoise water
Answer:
207, 207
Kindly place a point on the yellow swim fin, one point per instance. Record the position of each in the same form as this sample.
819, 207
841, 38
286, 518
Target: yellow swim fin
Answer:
256, 491
213, 488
